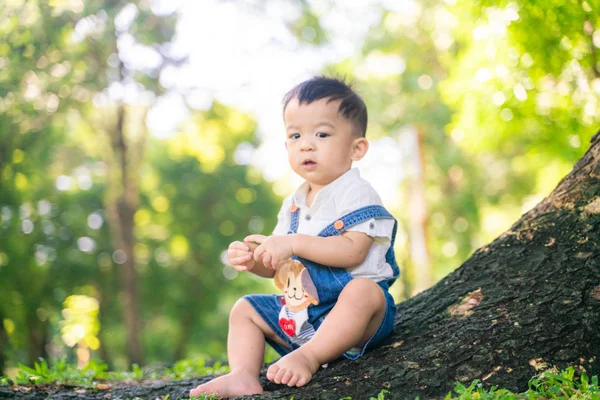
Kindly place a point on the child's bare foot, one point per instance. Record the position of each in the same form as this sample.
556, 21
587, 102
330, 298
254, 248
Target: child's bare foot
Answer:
294, 369
234, 384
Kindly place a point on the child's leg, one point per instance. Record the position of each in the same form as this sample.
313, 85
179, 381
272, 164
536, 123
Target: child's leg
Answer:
353, 320
245, 352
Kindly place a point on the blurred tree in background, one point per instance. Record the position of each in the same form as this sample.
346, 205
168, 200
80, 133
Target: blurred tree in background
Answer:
493, 103
111, 240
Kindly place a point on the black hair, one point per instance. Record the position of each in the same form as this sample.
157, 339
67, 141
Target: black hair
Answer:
352, 107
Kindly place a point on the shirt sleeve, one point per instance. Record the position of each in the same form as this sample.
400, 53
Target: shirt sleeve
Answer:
379, 229
362, 195
283, 218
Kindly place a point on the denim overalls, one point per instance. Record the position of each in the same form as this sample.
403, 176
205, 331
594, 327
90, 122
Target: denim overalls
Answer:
329, 282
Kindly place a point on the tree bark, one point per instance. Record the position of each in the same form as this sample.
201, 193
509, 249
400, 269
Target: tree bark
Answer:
528, 301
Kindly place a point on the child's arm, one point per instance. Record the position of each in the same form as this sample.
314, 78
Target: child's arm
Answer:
345, 251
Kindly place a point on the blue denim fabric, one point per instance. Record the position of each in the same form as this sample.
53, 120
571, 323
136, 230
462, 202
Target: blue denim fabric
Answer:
329, 282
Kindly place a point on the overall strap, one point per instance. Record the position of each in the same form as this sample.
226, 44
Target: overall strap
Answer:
356, 217
295, 210
361, 215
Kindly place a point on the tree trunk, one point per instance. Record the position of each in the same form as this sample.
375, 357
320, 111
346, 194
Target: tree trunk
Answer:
527, 302
120, 212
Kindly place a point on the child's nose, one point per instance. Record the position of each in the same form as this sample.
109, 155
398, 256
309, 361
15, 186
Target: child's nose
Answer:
306, 144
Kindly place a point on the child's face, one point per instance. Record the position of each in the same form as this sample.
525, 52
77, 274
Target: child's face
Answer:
320, 142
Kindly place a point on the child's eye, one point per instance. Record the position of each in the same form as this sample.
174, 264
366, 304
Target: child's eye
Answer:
322, 135
294, 136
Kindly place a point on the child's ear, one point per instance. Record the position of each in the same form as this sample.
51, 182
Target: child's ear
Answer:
359, 148
280, 277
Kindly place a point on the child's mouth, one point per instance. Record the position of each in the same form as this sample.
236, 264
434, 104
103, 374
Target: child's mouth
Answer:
309, 164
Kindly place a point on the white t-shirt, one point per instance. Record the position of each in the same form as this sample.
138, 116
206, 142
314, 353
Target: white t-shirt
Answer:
347, 193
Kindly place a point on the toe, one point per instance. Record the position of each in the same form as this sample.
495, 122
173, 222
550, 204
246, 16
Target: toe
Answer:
280, 374
272, 371
293, 381
286, 377
302, 381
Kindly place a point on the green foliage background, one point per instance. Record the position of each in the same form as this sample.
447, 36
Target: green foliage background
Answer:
503, 94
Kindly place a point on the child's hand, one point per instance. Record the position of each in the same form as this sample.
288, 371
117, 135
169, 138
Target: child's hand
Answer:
240, 255
271, 249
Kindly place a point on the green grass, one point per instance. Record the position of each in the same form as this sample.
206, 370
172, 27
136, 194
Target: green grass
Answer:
97, 371
560, 385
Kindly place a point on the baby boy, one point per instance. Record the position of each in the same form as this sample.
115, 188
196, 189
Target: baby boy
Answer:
332, 250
